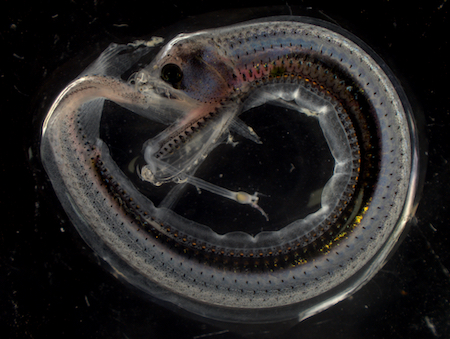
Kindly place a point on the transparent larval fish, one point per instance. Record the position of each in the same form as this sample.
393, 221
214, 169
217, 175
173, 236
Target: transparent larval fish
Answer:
269, 165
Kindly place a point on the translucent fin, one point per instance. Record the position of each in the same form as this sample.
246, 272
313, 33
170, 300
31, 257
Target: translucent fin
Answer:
117, 59
239, 127
240, 197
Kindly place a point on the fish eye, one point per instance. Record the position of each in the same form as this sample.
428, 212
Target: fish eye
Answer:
172, 74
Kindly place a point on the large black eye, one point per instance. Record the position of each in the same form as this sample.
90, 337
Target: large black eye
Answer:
172, 74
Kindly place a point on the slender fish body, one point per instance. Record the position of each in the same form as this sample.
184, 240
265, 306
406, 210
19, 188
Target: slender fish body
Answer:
199, 85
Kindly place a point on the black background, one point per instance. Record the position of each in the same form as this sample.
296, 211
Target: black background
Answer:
51, 284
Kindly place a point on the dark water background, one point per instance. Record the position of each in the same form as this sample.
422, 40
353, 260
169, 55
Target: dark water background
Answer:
51, 284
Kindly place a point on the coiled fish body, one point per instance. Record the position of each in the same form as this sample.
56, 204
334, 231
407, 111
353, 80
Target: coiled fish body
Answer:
199, 85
